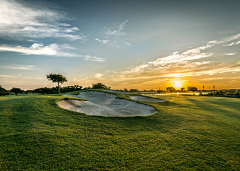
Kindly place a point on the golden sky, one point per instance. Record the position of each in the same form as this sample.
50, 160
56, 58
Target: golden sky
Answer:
120, 43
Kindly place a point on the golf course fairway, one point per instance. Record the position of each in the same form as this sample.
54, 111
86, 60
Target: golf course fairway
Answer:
186, 133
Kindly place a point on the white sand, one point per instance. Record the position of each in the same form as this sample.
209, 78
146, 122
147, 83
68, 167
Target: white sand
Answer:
104, 104
146, 99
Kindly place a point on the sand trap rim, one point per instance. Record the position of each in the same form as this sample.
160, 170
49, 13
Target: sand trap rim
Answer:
118, 96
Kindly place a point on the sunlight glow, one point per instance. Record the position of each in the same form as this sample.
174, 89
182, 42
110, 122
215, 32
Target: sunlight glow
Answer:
177, 84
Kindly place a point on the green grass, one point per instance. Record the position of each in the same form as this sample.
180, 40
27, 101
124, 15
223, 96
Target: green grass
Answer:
187, 133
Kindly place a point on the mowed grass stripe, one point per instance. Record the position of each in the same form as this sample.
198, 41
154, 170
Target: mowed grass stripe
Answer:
230, 114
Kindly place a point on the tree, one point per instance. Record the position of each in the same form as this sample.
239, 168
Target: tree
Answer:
16, 90
134, 90
192, 89
77, 87
100, 86
160, 91
236, 93
3, 91
221, 92
88, 87
57, 78
170, 89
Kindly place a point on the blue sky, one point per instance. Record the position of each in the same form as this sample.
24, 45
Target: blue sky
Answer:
124, 44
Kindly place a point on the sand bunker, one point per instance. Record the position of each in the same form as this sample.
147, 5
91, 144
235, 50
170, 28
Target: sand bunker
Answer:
146, 99
105, 104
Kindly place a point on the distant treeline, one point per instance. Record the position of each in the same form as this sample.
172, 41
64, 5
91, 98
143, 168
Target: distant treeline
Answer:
143, 91
53, 90
222, 93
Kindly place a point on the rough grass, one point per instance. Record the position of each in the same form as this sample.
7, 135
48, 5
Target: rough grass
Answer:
188, 133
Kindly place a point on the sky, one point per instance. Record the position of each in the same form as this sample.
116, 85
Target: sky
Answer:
121, 43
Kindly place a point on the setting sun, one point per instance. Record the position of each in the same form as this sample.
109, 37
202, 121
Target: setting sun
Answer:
177, 84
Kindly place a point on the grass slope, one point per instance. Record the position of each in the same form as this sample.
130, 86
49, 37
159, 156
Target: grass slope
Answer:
188, 133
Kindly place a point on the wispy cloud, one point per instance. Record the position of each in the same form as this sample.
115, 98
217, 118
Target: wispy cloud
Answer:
175, 57
128, 44
98, 75
97, 39
70, 30
67, 46
35, 78
209, 68
6, 76
50, 50
233, 43
231, 38
230, 44
18, 67
116, 31
19, 19
93, 58
226, 32
35, 49
103, 41
108, 42
230, 54
185, 64
112, 36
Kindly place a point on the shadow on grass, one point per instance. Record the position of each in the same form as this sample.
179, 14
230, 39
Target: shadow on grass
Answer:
210, 106
226, 103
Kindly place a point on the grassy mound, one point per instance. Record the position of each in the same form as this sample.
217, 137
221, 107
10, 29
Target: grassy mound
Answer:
188, 132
